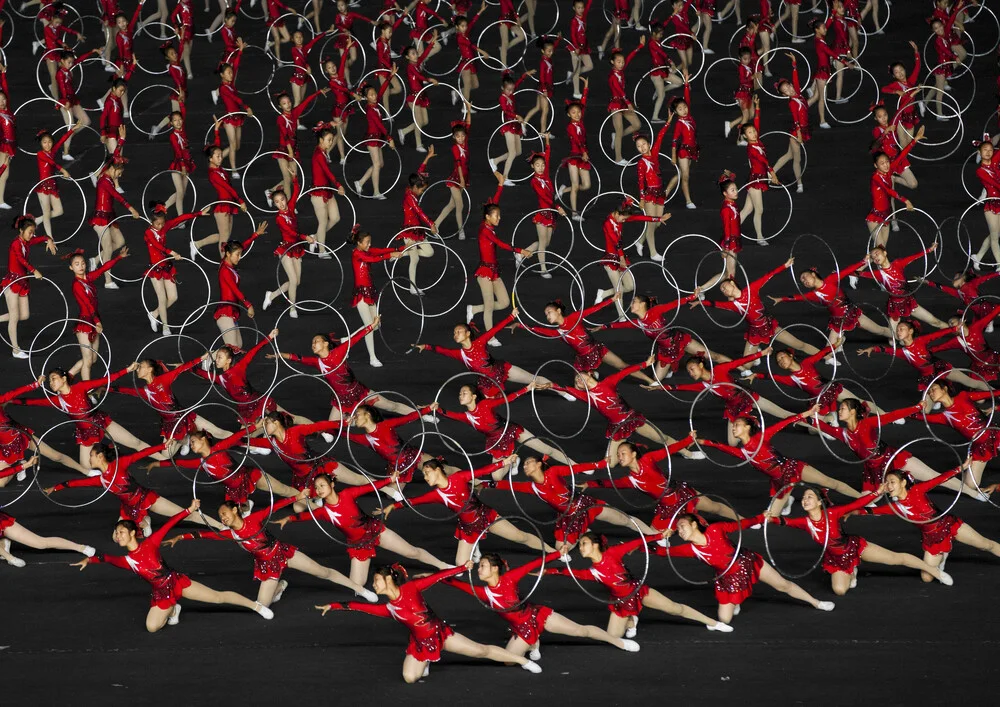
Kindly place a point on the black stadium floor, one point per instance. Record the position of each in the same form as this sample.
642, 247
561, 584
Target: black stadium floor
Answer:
72, 638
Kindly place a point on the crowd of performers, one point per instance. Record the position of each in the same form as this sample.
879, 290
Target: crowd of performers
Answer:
374, 70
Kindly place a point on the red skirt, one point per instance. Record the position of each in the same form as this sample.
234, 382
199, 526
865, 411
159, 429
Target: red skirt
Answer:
491, 271
688, 152
177, 427
90, 430
270, 563
251, 412
848, 322
184, 165
511, 128
49, 187
529, 623
758, 181
405, 463
227, 310
286, 250
135, 505
877, 216
900, 307
14, 442
654, 195
89, 329
473, 520
872, 471
624, 429
164, 271
618, 104
545, 218
670, 347
428, 648
363, 294
590, 360
936, 537
240, 485
740, 404
168, 591
424, 102
790, 473
102, 218
575, 521
984, 448
736, 585
234, 120
631, 606
937, 367
225, 209
579, 163
501, 446
364, 547
498, 373
828, 401
761, 331
844, 555
671, 503
5, 522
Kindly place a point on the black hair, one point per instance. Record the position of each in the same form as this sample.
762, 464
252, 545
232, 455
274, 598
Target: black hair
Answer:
129, 525
599, 540
282, 418
107, 451
394, 571
417, 181
557, 304
496, 560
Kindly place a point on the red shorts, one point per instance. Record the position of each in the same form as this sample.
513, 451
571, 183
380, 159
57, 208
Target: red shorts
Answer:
670, 504
736, 585
168, 591
761, 332
428, 648
790, 473
900, 307
270, 563
848, 322
575, 521
473, 520
136, 504
624, 429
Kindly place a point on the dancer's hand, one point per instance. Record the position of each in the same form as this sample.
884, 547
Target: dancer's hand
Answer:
82, 564
172, 541
866, 351
421, 347
281, 522
273, 334
195, 505
250, 311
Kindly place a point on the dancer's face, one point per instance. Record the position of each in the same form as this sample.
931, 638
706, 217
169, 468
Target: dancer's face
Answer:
732, 191
587, 548
322, 489
785, 360
575, 114
122, 536
810, 501
686, 529
750, 133
533, 470
538, 165
319, 345
986, 151
460, 334
228, 516
682, 109
379, 584
881, 117
808, 279
285, 104
465, 397
883, 164
78, 265
553, 315
844, 413
695, 370
485, 571
626, 456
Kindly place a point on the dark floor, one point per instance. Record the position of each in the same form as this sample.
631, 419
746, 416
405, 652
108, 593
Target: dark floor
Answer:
79, 638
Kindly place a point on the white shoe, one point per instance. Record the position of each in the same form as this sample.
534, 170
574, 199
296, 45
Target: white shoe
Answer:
294, 313
427, 670
658, 258
895, 226
622, 163
854, 579
119, 190
728, 128
697, 455
639, 248
787, 508
175, 616
719, 626
154, 132
494, 342
147, 527
215, 96
799, 189
369, 596
268, 298
461, 235
263, 611
745, 373
600, 53
568, 397
374, 363
267, 198
493, 164
989, 328
762, 242
826, 606
35, 46
477, 554
357, 188
402, 137
193, 250
708, 52
546, 275
741, 143
798, 40
852, 280
259, 451
421, 148
468, 313
433, 419
166, 331
22, 475
379, 197
88, 551
535, 654
111, 285
690, 205
899, 422
509, 183
10, 559
630, 632
185, 450
518, 259
578, 217
532, 667
4, 205
235, 176
93, 178
736, 610
69, 158
944, 558
327, 437
154, 323
100, 103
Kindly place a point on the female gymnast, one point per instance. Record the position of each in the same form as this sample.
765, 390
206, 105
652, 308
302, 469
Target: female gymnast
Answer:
720, 380
474, 519
845, 315
363, 299
225, 192
227, 314
578, 161
938, 530
377, 135
754, 445
799, 108
109, 236
90, 327
861, 431
16, 283
363, 533
502, 436
416, 81
843, 553
289, 117
270, 557
943, 406
804, 376
324, 200
570, 327
882, 191
903, 86
429, 635
619, 106
47, 190
235, 108
684, 150
615, 260
738, 571
628, 595
761, 174
169, 586
989, 176
512, 127
136, 502
545, 219
580, 52
527, 621
891, 277
415, 221
162, 273
652, 195
459, 178
664, 75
